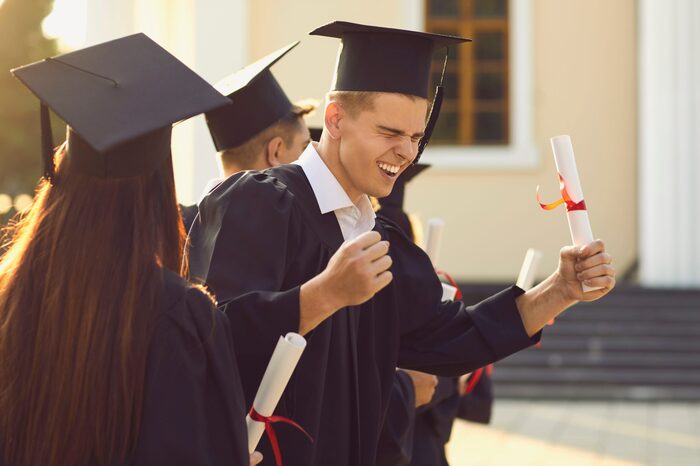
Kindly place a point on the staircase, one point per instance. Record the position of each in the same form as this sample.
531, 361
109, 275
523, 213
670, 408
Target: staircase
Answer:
635, 344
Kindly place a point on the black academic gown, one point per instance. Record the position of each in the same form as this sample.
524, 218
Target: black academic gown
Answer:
259, 236
193, 411
193, 408
189, 213
417, 436
395, 445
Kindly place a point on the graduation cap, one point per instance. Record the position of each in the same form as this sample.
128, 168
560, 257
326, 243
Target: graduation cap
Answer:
119, 100
257, 102
380, 59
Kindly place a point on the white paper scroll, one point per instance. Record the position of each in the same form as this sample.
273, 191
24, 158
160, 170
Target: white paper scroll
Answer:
526, 278
579, 225
433, 239
449, 292
280, 368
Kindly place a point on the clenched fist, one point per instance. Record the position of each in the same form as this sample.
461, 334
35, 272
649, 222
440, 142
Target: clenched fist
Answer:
424, 386
358, 270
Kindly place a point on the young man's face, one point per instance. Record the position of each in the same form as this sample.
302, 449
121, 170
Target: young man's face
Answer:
378, 144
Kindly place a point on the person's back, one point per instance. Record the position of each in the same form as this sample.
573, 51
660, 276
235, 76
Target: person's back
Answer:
107, 356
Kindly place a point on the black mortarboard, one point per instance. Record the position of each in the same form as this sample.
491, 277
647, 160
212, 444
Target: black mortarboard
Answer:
380, 59
257, 102
119, 100
315, 133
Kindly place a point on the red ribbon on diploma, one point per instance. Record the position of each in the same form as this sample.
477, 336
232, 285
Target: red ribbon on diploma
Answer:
475, 377
565, 199
450, 281
270, 431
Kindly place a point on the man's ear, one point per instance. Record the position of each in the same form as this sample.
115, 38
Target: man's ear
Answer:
333, 118
274, 151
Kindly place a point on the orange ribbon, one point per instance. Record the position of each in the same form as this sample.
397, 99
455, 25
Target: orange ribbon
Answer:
565, 199
268, 421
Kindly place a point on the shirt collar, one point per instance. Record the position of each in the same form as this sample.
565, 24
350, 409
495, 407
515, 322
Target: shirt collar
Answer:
330, 195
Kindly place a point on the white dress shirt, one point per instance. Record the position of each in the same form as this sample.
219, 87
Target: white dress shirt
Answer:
331, 197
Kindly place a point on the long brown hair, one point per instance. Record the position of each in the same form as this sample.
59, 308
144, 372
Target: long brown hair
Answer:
79, 291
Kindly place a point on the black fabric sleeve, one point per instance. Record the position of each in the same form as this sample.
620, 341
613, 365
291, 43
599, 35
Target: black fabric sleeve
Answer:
242, 252
449, 338
193, 410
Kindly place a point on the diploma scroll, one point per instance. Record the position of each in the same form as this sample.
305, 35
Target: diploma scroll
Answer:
433, 239
579, 225
449, 292
526, 278
279, 370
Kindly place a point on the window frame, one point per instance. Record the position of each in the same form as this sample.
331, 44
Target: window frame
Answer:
521, 152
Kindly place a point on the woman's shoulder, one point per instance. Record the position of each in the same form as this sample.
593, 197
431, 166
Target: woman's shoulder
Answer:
188, 306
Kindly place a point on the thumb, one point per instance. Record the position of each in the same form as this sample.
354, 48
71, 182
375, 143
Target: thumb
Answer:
256, 458
570, 253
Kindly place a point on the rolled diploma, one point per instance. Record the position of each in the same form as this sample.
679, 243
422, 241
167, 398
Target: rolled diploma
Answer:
526, 278
579, 225
280, 368
448, 292
433, 239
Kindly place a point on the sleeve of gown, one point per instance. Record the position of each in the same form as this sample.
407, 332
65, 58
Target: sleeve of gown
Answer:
242, 253
396, 438
193, 410
449, 338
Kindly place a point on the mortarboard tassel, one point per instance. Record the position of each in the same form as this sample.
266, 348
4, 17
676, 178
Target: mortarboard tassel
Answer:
434, 114
47, 144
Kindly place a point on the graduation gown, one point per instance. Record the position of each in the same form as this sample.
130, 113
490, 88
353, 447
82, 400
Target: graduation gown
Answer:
189, 212
395, 446
258, 238
193, 408
193, 411
418, 439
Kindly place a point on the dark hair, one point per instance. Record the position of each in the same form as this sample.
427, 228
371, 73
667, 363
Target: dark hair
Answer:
80, 286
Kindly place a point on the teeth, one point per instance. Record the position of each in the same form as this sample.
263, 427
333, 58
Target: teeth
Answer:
390, 168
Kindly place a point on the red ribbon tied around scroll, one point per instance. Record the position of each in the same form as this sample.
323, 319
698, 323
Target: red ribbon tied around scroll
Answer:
565, 199
450, 281
270, 431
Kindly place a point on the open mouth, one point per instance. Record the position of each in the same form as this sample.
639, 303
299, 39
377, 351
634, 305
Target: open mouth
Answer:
389, 169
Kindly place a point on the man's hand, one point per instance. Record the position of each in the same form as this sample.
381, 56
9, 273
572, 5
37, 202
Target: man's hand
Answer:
589, 264
255, 458
424, 386
358, 270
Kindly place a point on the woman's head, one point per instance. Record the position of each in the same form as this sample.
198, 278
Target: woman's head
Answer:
79, 287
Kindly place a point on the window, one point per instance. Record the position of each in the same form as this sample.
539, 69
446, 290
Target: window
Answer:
486, 124
475, 109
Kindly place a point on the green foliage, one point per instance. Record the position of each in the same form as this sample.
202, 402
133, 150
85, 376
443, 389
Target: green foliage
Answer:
21, 41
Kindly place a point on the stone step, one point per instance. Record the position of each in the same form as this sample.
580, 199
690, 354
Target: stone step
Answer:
624, 344
597, 376
615, 329
535, 358
596, 392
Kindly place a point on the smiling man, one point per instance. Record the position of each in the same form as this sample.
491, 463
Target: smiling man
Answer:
298, 248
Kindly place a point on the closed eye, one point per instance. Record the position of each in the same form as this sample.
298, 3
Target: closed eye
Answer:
393, 132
